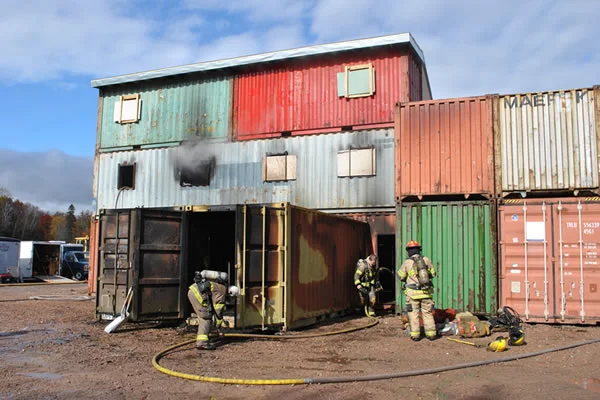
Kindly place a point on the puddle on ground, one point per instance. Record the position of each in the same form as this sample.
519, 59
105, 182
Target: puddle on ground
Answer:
591, 384
41, 375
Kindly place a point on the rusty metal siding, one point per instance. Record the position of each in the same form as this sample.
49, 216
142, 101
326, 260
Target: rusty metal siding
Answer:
303, 95
324, 251
238, 175
444, 147
547, 141
93, 254
171, 111
549, 261
460, 239
415, 74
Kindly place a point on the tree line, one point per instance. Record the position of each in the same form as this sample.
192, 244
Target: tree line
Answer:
27, 222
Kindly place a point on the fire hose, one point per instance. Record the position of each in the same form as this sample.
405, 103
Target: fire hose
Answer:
342, 379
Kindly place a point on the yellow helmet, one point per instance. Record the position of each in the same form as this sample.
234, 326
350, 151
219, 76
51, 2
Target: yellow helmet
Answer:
498, 345
517, 337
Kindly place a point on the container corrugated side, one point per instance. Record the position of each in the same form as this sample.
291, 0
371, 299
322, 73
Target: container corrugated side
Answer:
459, 237
171, 111
238, 175
93, 256
547, 141
302, 96
549, 255
324, 250
444, 147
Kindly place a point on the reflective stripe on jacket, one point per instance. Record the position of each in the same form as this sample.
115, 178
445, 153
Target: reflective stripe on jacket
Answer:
364, 275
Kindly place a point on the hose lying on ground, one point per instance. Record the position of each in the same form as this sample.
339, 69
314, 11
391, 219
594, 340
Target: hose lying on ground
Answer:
52, 297
234, 381
299, 381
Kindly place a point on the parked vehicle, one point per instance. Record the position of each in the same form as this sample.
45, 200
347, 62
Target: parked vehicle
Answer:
75, 265
50, 258
9, 258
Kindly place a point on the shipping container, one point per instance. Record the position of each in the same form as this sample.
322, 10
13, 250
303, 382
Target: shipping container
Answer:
382, 223
164, 112
460, 239
342, 170
444, 147
328, 87
294, 266
549, 254
305, 95
546, 141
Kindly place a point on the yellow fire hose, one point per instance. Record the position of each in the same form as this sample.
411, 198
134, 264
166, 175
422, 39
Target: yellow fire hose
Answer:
236, 381
306, 381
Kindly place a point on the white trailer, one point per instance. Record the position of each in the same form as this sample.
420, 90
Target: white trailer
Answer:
43, 258
9, 257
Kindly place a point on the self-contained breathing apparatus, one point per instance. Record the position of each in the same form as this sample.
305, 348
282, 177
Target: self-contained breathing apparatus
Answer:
203, 279
508, 319
422, 271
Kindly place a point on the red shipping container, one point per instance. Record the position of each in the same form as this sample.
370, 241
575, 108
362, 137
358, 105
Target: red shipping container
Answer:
444, 147
301, 96
549, 259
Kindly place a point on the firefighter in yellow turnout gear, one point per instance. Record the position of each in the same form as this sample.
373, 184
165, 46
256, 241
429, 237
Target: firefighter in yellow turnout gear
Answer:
365, 280
417, 272
207, 297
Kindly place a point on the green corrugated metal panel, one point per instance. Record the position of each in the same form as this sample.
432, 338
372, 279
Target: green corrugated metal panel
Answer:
170, 112
460, 239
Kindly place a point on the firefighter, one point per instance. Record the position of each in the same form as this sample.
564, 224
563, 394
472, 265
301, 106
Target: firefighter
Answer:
365, 280
417, 272
207, 296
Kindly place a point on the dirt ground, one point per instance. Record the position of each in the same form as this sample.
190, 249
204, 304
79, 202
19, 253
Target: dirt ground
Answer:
55, 349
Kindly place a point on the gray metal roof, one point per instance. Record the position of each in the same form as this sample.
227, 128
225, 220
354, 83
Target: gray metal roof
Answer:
264, 57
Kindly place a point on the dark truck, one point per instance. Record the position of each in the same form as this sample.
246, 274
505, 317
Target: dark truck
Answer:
75, 264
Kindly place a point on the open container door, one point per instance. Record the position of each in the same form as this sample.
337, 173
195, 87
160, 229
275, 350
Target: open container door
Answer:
159, 272
114, 269
262, 242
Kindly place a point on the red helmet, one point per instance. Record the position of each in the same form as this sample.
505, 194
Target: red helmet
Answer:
412, 243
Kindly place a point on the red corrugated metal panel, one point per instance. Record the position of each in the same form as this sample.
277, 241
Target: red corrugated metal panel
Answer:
444, 147
550, 259
324, 249
303, 96
93, 261
415, 78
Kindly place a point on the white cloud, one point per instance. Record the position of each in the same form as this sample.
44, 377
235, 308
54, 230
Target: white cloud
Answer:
49, 180
475, 47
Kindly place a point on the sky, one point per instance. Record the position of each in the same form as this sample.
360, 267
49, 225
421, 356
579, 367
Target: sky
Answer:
51, 50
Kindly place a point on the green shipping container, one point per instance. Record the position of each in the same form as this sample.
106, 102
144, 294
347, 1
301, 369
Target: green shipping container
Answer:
169, 112
460, 239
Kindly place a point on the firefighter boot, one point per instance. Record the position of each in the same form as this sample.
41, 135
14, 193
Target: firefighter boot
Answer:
205, 346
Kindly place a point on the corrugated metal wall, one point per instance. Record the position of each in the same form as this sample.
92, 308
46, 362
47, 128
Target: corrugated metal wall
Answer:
93, 256
324, 251
547, 141
460, 239
444, 147
171, 111
303, 95
238, 175
548, 259
415, 77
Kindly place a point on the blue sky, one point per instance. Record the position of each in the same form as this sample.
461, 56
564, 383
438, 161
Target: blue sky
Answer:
51, 50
